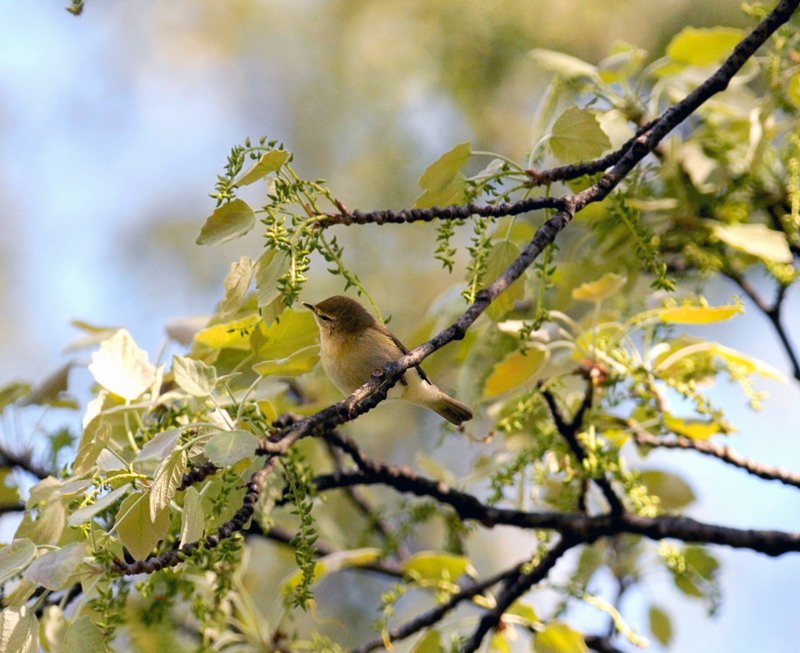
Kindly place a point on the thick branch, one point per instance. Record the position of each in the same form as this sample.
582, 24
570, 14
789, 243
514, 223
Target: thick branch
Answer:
723, 453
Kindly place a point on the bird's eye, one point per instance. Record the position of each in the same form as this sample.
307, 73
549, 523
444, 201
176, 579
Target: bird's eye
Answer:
324, 318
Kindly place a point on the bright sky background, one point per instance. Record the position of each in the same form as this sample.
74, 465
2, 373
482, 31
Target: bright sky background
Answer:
111, 131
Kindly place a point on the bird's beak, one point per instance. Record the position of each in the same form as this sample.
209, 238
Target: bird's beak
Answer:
310, 307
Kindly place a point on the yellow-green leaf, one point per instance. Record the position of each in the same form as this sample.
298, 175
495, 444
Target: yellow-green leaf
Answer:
121, 367
699, 314
230, 335
691, 428
55, 570
596, 291
499, 642
502, 255
194, 376
560, 638
15, 557
577, 136
452, 193
660, 625
445, 169
166, 481
19, 630
673, 491
270, 267
747, 364
137, 531
231, 220
293, 331
228, 447
192, 518
334, 562
300, 362
703, 46
514, 370
430, 642
435, 566
268, 163
565, 65
755, 239
237, 283
82, 636
524, 611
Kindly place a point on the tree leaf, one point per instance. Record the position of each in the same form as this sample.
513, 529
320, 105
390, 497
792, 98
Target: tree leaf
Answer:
194, 376
701, 561
597, 291
15, 557
577, 136
166, 482
436, 566
228, 447
755, 239
270, 267
747, 364
19, 630
560, 638
84, 514
445, 169
137, 531
55, 569
230, 335
430, 642
673, 491
452, 193
83, 636
269, 162
121, 367
293, 331
692, 428
161, 446
703, 46
231, 220
299, 362
699, 314
514, 370
50, 391
660, 625
237, 283
503, 254
192, 518
564, 65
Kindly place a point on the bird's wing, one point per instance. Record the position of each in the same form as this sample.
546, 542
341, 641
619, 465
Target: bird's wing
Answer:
404, 349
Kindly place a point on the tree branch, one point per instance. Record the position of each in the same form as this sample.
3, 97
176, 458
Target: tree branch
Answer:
723, 453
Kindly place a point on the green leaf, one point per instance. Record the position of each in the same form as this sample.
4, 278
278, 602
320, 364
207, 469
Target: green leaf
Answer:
560, 638
230, 335
701, 561
228, 447
445, 169
514, 370
673, 491
703, 46
84, 636
660, 625
698, 314
499, 642
15, 557
747, 364
237, 283
335, 562
300, 362
270, 267
435, 566
268, 163
19, 630
692, 428
194, 376
94, 439
565, 65
524, 611
448, 195
137, 531
12, 392
84, 514
50, 391
577, 136
121, 367
597, 291
231, 220
192, 518
430, 642
293, 331
161, 446
55, 570
755, 239
166, 482
503, 254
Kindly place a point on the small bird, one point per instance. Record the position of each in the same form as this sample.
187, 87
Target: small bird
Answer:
353, 344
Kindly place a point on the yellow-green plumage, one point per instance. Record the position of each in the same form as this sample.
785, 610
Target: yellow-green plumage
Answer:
353, 344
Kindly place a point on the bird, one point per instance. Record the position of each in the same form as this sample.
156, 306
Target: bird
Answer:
353, 344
